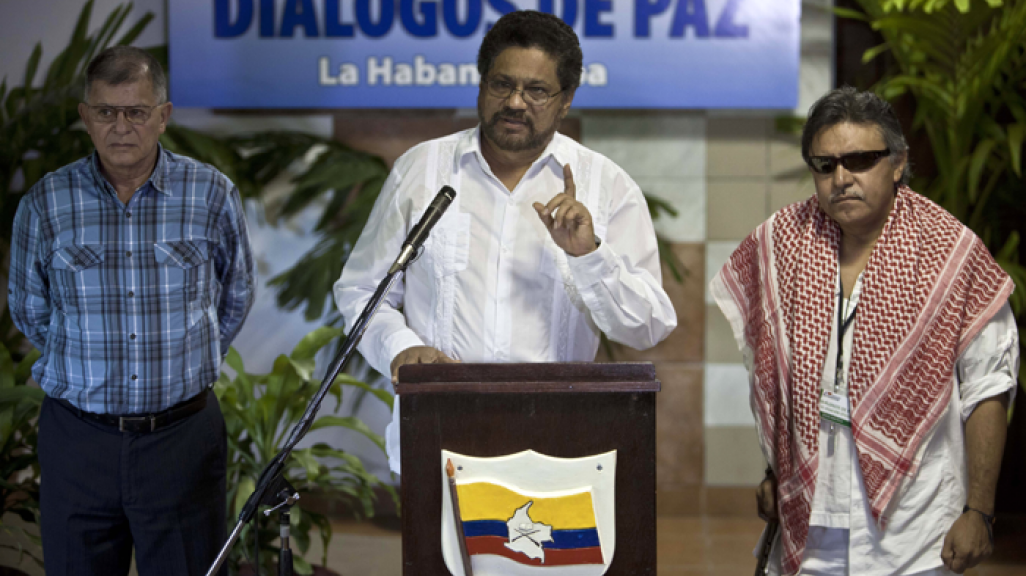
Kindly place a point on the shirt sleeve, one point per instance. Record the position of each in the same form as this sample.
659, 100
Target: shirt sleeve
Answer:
387, 334
990, 364
28, 287
621, 281
235, 271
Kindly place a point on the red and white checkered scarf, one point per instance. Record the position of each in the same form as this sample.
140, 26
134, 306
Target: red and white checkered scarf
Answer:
929, 287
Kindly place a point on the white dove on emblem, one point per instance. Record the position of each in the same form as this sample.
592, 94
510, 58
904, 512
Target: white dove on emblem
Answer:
526, 536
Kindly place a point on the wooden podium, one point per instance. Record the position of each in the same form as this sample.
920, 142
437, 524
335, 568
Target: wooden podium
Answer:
566, 410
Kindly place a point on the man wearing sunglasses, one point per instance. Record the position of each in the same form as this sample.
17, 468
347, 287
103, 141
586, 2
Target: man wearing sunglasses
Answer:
546, 246
131, 273
882, 355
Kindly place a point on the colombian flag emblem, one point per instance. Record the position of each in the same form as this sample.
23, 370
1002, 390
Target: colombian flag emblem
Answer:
536, 529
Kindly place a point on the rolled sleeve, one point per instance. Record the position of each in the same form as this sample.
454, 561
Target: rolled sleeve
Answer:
990, 364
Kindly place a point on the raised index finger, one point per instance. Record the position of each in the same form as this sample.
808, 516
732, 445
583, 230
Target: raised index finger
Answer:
569, 188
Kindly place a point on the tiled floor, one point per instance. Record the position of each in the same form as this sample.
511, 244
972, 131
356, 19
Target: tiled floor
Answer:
687, 546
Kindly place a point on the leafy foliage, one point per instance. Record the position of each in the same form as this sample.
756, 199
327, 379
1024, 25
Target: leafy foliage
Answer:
19, 467
260, 411
929, 6
964, 63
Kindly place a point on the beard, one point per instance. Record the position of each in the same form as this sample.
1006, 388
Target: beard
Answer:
515, 142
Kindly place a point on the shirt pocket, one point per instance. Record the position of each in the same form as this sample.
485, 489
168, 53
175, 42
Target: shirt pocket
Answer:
78, 275
182, 267
449, 245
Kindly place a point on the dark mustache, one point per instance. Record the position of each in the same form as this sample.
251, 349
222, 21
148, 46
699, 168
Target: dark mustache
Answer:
508, 114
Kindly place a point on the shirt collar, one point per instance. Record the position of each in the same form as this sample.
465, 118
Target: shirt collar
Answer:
159, 179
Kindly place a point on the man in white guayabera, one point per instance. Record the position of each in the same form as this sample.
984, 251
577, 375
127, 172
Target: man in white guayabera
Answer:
546, 246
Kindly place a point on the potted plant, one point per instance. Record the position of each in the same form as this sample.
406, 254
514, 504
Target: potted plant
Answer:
260, 411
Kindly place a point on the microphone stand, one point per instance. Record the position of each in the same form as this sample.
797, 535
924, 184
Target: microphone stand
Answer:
272, 489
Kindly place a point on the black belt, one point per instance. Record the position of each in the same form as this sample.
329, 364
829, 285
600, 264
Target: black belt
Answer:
144, 422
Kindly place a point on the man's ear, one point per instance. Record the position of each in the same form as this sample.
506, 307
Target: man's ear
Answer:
568, 99
165, 115
83, 113
899, 167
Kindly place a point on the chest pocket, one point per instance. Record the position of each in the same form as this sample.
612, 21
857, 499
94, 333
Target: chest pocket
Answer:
182, 265
449, 245
78, 275
446, 253
77, 257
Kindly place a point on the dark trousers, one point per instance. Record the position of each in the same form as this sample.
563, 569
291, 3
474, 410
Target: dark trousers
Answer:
105, 491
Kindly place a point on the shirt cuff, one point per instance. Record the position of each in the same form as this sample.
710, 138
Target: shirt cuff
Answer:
395, 344
593, 267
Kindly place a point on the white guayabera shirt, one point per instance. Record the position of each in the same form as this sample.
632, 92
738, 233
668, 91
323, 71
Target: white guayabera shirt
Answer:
491, 285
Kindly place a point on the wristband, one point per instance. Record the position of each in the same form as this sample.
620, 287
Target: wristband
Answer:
988, 521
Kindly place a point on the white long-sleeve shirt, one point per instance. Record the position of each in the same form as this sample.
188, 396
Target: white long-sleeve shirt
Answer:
491, 285
929, 504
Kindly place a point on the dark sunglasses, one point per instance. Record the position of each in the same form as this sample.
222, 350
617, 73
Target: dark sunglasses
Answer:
852, 162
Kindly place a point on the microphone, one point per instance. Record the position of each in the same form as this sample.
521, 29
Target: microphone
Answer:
420, 232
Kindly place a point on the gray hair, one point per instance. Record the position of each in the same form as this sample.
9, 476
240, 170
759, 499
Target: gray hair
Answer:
849, 105
119, 65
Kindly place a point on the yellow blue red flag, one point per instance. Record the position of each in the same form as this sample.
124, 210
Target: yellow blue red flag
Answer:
538, 529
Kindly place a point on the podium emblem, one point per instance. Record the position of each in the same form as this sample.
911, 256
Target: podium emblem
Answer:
528, 514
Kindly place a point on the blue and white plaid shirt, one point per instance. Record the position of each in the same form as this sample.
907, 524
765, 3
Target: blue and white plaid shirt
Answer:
133, 307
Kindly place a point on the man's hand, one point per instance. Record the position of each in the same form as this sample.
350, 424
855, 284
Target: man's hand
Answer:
967, 543
418, 355
766, 498
567, 220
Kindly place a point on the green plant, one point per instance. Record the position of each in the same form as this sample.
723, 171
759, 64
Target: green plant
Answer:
964, 64
19, 466
260, 410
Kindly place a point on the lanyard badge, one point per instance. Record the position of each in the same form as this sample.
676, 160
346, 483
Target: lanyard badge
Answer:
834, 406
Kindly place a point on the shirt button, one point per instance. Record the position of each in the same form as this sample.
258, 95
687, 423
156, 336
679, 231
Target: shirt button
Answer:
128, 214
129, 253
131, 294
132, 336
134, 377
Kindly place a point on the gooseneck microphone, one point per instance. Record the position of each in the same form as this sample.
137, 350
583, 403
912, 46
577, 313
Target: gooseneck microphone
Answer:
420, 232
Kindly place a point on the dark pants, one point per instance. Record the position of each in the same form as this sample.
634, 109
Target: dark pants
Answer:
103, 491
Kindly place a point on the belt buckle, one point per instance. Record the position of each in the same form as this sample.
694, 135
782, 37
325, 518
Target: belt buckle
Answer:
123, 419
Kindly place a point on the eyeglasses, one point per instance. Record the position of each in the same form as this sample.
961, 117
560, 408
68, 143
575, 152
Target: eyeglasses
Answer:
533, 95
852, 162
109, 114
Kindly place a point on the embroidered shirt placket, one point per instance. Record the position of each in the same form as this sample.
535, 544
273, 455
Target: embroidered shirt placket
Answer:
445, 271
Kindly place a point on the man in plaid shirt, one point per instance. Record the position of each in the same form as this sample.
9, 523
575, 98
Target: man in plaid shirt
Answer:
131, 272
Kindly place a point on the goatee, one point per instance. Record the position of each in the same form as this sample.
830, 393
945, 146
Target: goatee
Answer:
515, 143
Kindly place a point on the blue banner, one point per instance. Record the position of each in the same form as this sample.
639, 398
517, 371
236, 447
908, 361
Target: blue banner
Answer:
423, 53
